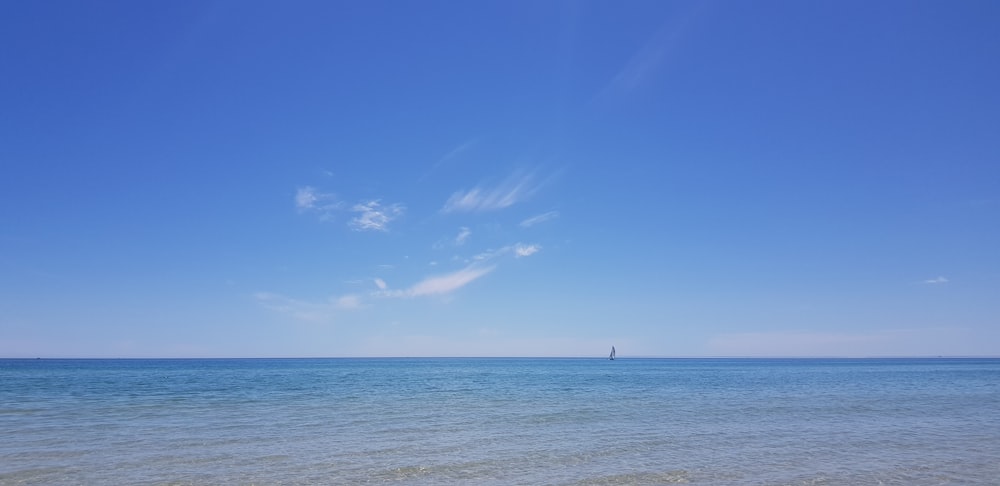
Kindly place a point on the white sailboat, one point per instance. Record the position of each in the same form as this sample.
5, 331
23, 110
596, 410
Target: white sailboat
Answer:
612, 356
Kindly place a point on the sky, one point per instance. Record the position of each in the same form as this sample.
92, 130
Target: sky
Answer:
499, 178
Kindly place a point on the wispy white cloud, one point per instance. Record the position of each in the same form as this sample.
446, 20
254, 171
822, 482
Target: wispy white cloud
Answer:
514, 189
541, 218
643, 63
322, 311
649, 59
347, 302
442, 284
519, 250
463, 234
445, 284
933, 281
490, 254
456, 151
308, 198
452, 154
374, 216
380, 283
525, 250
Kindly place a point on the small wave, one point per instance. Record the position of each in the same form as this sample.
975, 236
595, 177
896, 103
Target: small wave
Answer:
640, 478
20, 411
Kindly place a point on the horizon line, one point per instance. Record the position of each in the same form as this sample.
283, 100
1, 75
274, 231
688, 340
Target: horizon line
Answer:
507, 357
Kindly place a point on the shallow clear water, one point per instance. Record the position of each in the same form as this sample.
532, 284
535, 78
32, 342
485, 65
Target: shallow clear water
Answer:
500, 421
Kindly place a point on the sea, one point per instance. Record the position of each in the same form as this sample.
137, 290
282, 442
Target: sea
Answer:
486, 421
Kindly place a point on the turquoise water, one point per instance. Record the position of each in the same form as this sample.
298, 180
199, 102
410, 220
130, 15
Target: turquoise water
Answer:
500, 421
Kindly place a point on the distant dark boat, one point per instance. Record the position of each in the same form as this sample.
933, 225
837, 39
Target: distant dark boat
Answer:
612, 356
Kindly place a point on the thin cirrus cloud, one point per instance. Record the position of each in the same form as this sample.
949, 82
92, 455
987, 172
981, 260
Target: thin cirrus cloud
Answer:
519, 250
935, 281
541, 218
433, 286
327, 310
323, 311
463, 234
455, 152
452, 154
371, 215
645, 63
374, 216
525, 250
440, 285
306, 198
513, 190
309, 198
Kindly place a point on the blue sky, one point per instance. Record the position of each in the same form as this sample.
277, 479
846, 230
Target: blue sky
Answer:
499, 178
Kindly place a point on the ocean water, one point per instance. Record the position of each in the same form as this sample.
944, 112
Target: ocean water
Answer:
500, 421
